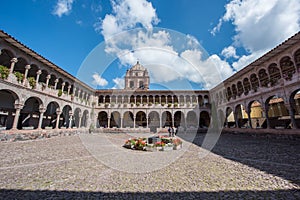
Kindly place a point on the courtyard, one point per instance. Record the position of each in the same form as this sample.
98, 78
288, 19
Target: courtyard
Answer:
238, 167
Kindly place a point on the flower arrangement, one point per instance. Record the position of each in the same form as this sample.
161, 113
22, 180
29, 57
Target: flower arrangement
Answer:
162, 143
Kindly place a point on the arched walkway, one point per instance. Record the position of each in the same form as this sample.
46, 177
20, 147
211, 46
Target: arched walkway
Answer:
166, 119
51, 115
77, 117
67, 117
191, 120
278, 115
30, 114
229, 120
102, 119
141, 119
153, 121
115, 120
257, 115
7, 108
128, 119
204, 121
179, 119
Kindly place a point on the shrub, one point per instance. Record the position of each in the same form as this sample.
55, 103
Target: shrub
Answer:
60, 92
4, 72
19, 76
32, 82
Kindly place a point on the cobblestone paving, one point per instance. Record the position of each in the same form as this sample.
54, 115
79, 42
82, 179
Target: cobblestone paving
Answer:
240, 167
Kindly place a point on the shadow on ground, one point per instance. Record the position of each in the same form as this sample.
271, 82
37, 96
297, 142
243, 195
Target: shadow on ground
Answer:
48, 194
277, 156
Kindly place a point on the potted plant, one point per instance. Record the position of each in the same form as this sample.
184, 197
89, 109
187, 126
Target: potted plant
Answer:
32, 82
4, 72
19, 76
60, 92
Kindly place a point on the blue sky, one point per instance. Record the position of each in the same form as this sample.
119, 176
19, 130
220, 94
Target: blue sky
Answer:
233, 33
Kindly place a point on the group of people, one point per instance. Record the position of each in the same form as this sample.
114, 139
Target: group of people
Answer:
172, 131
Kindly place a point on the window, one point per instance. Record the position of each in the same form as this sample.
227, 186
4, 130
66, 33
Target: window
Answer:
131, 84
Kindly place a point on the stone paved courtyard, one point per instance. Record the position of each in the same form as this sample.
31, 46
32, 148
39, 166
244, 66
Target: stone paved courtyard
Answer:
239, 167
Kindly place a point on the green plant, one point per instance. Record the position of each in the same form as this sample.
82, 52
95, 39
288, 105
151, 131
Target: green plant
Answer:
32, 82
138, 103
4, 72
169, 105
60, 92
175, 104
19, 76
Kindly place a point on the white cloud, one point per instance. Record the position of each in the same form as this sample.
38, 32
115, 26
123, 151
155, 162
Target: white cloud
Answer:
260, 25
167, 55
229, 52
127, 14
98, 80
63, 7
119, 83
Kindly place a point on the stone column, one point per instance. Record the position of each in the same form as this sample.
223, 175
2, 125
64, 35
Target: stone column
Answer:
160, 121
55, 83
292, 115
265, 109
63, 86
74, 91
70, 119
134, 121
12, 64
121, 122
47, 80
79, 121
18, 108
147, 121
69, 87
249, 117
108, 122
57, 119
78, 94
173, 124
38, 73
27, 68
42, 111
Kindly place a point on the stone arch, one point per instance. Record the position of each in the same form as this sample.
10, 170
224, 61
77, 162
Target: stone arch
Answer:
102, 119
84, 119
179, 119
51, 114
287, 68
5, 57
240, 116
247, 86
8, 99
141, 119
257, 114
128, 119
191, 119
77, 117
153, 121
115, 119
274, 73
204, 120
254, 82
297, 60
234, 91
30, 114
166, 119
263, 77
277, 113
294, 101
66, 117
240, 89
20, 65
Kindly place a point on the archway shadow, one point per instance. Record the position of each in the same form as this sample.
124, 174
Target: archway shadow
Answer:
54, 194
275, 155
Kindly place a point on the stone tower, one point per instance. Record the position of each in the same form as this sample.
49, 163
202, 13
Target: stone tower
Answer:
137, 78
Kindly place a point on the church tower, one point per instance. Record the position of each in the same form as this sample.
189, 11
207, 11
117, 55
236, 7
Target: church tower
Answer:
137, 78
